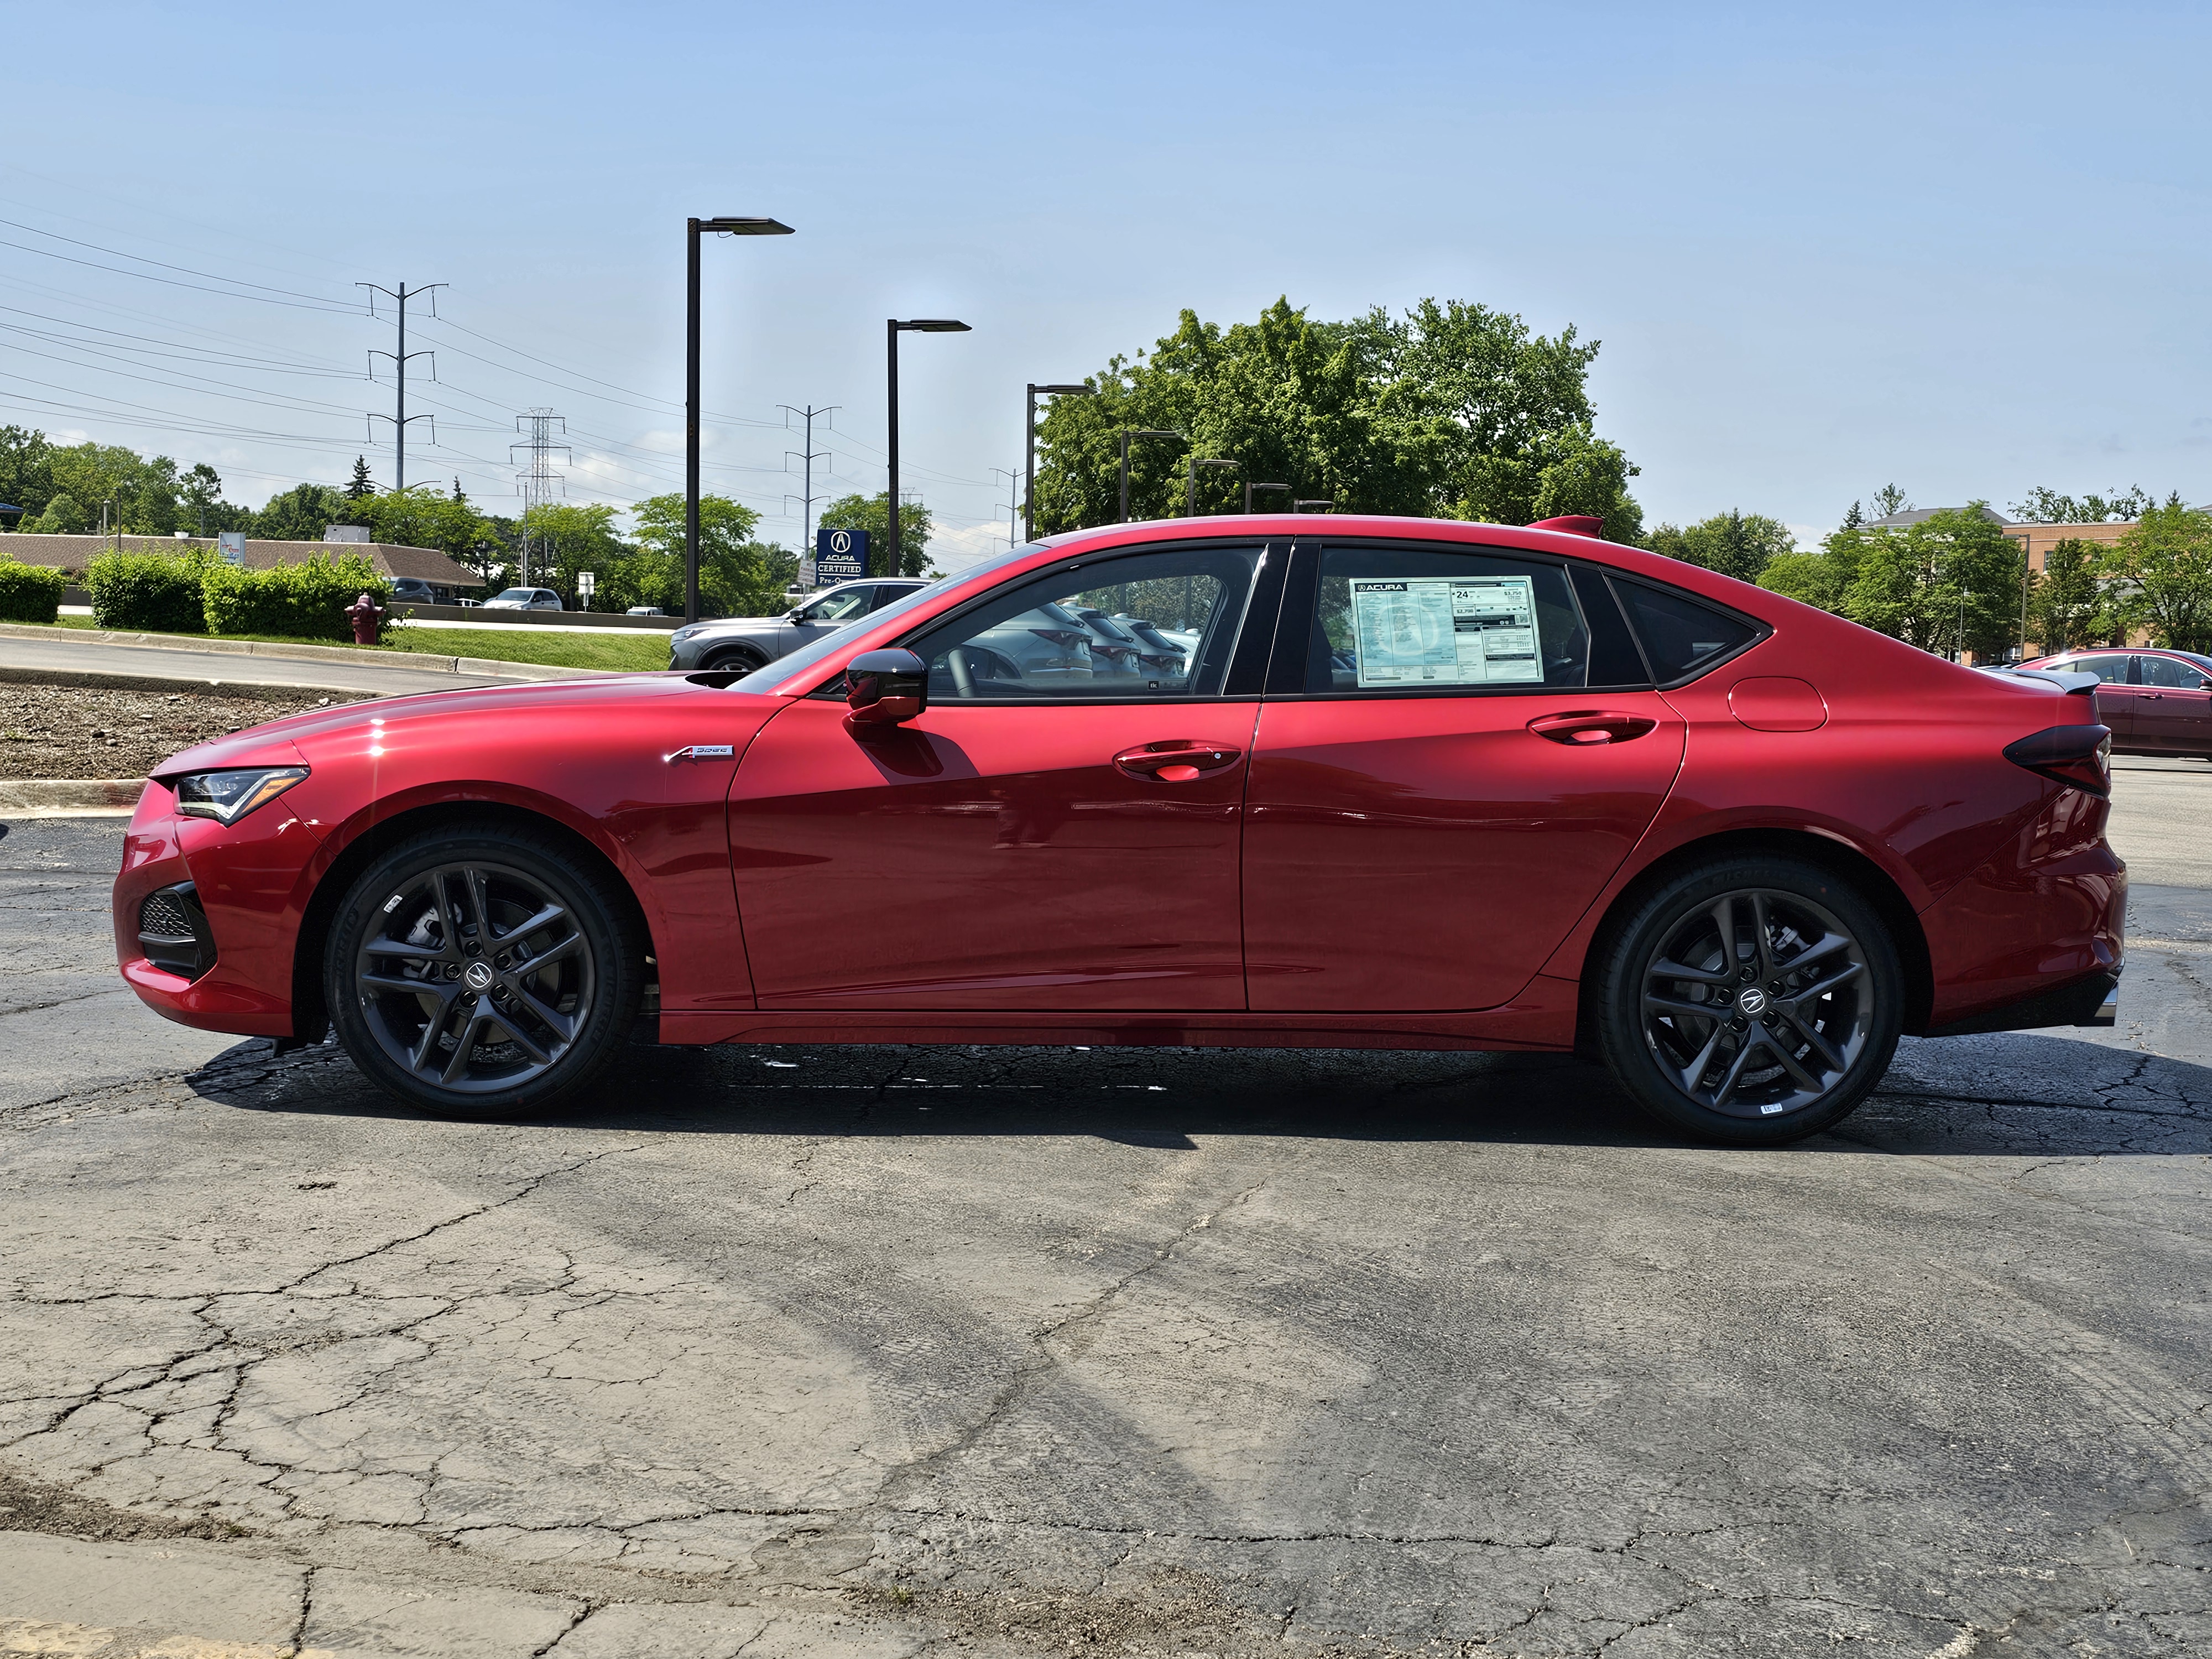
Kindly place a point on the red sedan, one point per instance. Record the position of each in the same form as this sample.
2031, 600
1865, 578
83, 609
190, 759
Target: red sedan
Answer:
2157, 702
1369, 782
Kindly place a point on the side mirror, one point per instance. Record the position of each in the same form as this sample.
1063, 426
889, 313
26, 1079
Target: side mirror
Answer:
887, 687
795, 613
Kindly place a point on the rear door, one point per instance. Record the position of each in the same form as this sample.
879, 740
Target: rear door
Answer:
2173, 710
1457, 750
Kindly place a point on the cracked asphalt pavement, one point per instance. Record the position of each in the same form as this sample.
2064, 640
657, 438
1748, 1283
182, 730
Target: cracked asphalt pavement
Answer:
907, 1351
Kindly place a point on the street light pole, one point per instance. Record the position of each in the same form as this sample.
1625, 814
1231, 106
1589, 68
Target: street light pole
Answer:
691, 228
1029, 465
892, 329
1190, 485
1322, 503
1249, 486
1128, 433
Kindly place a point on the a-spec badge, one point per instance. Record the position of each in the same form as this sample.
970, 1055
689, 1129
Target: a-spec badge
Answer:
703, 752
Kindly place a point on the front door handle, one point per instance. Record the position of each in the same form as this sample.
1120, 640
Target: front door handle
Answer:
1587, 726
1177, 759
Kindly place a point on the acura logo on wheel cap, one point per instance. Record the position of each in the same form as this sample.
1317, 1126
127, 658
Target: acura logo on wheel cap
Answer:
1752, 1002
479, 976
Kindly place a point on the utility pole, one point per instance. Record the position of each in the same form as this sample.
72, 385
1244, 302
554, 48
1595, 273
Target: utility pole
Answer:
400, 417
1013, 503
809, 456
540, 483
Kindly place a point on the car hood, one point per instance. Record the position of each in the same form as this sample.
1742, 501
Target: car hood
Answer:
296, 737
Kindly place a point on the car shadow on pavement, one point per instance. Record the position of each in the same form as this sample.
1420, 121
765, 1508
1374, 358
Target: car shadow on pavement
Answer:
2015, 1094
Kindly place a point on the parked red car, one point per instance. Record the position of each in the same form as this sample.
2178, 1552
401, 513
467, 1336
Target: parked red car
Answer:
2156, 702
1373, 782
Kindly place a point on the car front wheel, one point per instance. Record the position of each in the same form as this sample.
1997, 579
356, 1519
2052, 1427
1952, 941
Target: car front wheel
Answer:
483, 971
1754, 1000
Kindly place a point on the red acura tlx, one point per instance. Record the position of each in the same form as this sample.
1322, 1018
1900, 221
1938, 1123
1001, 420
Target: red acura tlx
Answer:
1329, 781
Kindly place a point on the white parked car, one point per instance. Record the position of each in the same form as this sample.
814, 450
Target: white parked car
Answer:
525, 598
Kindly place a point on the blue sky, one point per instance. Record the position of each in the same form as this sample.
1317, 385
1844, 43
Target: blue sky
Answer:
1960, 247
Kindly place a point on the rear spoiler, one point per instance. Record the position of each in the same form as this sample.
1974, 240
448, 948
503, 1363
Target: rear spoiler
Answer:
2074, 685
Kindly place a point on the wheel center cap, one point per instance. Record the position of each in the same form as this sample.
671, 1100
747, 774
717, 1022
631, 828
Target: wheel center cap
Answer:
479, 976
1752, 1002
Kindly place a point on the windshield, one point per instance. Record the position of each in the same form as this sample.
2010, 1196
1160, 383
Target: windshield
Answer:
520, 593
773, 677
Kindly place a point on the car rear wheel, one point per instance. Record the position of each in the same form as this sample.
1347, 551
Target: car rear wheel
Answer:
1754, 1000
475, 972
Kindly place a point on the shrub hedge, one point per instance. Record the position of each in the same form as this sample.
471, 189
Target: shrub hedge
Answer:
29, 592
159, 593
307, 600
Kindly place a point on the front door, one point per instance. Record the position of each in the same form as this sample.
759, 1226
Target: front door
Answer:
1058, 830
1441, 794
2173, 710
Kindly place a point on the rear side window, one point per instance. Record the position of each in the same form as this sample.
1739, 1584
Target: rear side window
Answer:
2108, 670
1399, 619
1681, 636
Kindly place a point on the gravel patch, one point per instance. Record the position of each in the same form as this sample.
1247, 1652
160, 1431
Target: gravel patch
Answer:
82, 731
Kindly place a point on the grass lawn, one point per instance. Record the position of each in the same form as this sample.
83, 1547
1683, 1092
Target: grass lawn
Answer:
643, 650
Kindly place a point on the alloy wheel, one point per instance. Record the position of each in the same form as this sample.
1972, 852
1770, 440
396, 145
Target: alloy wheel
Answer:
1757, 1003
475, 978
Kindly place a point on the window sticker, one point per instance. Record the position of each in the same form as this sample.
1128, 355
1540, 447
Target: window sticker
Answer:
1446, 630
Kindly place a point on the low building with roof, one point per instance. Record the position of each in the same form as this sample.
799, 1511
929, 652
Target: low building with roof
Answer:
75, 552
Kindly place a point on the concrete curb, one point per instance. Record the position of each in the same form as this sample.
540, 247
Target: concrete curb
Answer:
423, 662
69, 798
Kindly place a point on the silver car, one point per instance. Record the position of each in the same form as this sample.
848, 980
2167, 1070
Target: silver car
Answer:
744, 643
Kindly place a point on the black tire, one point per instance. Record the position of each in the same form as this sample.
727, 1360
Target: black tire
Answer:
433, 955
735, 662
1806, 999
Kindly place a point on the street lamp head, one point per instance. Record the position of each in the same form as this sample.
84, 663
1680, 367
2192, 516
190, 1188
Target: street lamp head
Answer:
743, 227
1202, 461
930, 326
1069, 391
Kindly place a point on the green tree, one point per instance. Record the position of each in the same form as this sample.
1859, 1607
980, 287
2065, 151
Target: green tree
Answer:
873, 513
738, 576
422, 516
2067, 606
1950, 582
1733, 544
566, 538
2044, 506
63, 517
360, 487
1814, 579
1889, 501
26, 472
144, 492
2162, 575
1452, 410
301, 513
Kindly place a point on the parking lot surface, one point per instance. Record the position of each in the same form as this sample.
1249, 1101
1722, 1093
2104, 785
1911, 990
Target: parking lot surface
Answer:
889, 1351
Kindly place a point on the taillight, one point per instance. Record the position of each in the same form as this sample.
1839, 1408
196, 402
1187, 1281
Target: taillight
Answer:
2080, 757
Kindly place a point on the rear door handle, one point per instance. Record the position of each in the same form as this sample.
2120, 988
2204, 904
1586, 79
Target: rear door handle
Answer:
1177, 759
1584, 727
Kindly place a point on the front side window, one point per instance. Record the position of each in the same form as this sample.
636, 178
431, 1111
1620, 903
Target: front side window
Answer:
1133, 628
1396, 619
2169, 675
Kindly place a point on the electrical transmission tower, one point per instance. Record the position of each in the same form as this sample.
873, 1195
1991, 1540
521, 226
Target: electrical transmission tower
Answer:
540, 484
809, 456
400, 417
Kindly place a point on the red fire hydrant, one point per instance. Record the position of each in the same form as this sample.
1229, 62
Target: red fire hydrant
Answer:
364, 613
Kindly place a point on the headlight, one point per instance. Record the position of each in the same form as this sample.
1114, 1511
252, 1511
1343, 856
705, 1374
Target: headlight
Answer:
227, 797
685, 633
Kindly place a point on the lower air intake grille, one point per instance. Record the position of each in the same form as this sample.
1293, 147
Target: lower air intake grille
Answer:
172, 931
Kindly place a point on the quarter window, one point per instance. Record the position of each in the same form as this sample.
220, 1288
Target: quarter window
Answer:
1682, 637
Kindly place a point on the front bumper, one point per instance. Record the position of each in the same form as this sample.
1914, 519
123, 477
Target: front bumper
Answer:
250, 881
